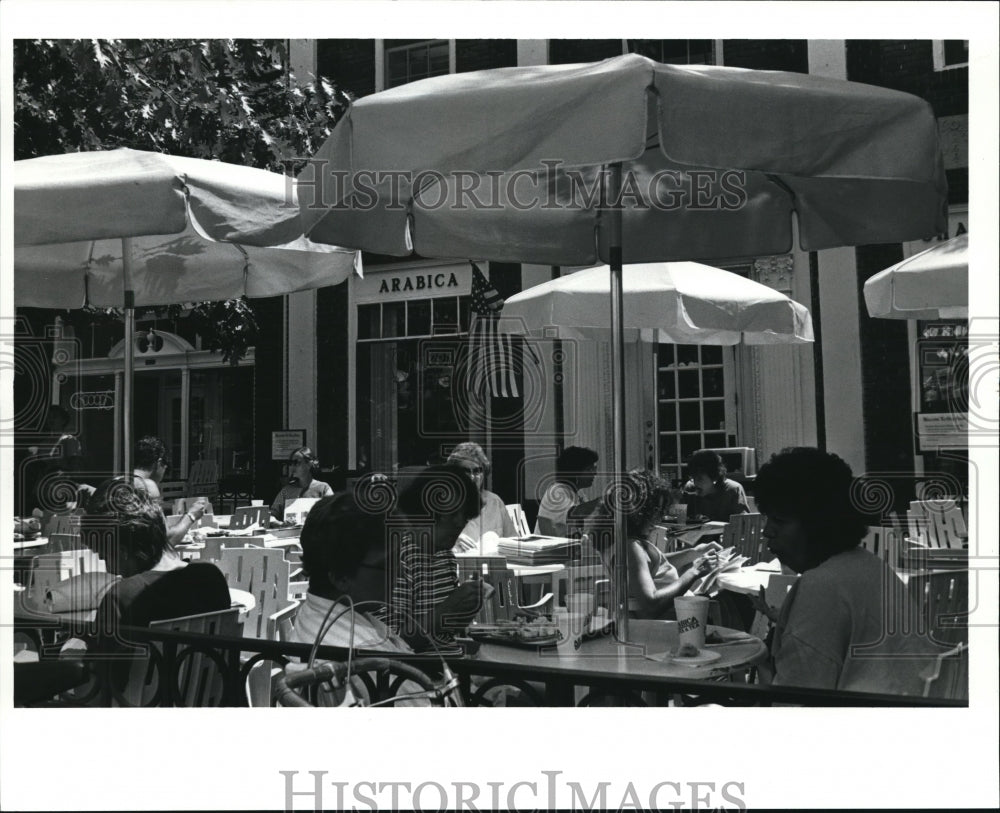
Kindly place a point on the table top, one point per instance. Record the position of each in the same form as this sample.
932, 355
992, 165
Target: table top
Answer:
605, 657
28, 544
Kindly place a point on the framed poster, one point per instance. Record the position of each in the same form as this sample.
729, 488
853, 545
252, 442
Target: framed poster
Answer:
286, 441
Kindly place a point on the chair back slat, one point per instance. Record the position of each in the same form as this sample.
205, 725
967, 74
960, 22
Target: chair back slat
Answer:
200, 681
517, 516
48, 569
948, 678
885, 542
940, 522
745, 533
262, 572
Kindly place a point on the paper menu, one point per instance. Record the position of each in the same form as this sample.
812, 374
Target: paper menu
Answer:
298, 509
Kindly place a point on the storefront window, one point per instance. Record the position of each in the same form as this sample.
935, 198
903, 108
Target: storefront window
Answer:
692, 408
220, 426
406, 399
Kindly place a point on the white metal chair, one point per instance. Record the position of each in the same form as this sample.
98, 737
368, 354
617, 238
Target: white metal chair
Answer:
948, 677
517, 516
263, 573
49, 569
744, 533
939, 521
504, 603
885, 542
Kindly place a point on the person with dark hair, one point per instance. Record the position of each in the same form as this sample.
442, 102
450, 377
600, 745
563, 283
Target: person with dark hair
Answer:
67, 452
156, 583
655, 578
576, 468
150, 464
427, 600
304, 467
712, 495
844, 623
493, 516
344, 553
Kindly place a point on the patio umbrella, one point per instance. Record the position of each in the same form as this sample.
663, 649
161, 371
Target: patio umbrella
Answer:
933, 284
679, 303
625, 160
125, 228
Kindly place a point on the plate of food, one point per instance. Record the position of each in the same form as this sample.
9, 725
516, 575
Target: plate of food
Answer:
534, 633
690, 655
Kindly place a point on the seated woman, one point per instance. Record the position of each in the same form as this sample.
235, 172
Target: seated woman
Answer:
151, 463
576, 467
493, 516
344, 553
427, 602
156, 583
304, 467
655, 578
847, 623
713, 497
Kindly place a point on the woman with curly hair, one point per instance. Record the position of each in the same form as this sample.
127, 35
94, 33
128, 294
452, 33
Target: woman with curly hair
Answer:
493, 516
655, 578
844, 624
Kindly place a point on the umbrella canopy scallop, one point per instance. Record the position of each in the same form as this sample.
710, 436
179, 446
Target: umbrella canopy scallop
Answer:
681, 303
933, 284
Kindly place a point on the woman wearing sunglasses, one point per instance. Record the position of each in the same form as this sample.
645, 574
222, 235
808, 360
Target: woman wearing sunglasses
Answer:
493, 516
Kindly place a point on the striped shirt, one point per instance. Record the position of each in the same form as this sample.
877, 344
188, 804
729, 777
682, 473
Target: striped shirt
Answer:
421, 580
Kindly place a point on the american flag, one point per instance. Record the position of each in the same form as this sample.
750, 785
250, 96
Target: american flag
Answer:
491, 353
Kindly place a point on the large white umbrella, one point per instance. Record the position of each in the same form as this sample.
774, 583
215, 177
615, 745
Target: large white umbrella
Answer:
125, 228
679, 303
933, 284
625, 160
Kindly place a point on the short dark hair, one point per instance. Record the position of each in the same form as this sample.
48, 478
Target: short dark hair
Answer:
336, 537
576, 459
440, 490
148, 451
814, 487
707, 462
140, 532
640, 498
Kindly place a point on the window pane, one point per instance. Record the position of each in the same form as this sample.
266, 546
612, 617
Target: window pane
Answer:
690, 413
668, 449
668, 417
712, 383
687, 354
715, 414
666, 352
419, 316
393, 319
689, 445
956, 52
446, 315
687, 383
715, 441
438, 59
711, 354
463, 308
368, 321
667, 387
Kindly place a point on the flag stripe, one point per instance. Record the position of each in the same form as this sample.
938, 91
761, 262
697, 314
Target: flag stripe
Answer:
491, 353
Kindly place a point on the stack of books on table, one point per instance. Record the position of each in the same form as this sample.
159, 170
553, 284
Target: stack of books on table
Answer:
919, 557
539, 550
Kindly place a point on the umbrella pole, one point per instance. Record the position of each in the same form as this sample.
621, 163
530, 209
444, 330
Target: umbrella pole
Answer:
614, 212
128, 298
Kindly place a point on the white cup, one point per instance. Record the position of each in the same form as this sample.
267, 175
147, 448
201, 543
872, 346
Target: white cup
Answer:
692, 616
571, 626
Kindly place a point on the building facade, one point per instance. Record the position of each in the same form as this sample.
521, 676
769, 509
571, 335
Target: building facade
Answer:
367, 369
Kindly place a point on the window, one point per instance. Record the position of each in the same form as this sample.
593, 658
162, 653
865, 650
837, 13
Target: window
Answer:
950, 54
691, 403
676, 52
410, 61
413, 318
